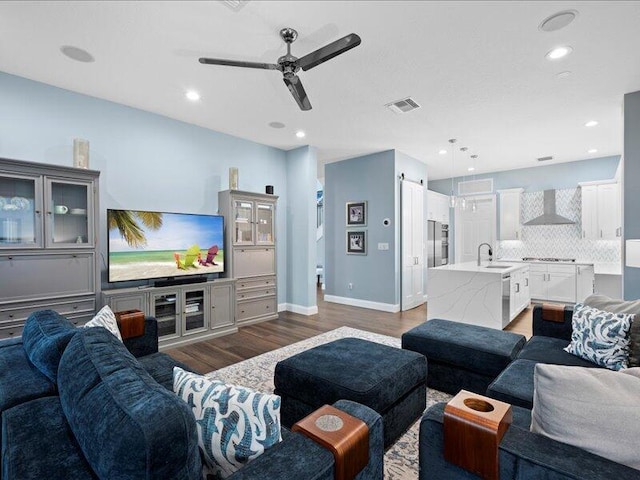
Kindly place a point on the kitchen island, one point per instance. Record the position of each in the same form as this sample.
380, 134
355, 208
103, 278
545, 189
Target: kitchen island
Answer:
490, 295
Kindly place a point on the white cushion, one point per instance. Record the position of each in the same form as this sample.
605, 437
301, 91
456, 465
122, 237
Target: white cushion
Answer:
105, 318
600, 337
235, 424
591, 408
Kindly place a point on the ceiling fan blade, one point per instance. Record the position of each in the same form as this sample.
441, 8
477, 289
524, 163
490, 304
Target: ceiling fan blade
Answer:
297, 90
234, 63
327, 52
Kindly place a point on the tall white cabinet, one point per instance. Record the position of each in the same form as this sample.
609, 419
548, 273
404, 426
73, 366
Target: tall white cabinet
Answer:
413, 225
250, 252
601, 210
438, 207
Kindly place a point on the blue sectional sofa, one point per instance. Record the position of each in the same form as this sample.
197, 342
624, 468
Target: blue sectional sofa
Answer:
91, 409
525, 455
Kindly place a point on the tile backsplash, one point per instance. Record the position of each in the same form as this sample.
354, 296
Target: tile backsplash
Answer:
561, 241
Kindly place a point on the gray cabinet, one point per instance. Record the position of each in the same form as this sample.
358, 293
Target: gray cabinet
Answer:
250, 252
185, 313
48, 242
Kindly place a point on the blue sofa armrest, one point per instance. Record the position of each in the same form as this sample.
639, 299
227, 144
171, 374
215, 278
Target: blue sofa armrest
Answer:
298, 457
147, 343
522, 455
550, 328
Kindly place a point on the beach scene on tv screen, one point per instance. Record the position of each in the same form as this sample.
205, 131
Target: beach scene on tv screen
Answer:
144, 245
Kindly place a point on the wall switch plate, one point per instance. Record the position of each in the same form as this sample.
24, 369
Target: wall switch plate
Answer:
383, 246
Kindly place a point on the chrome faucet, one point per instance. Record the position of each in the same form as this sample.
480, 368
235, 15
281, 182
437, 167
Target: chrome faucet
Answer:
490, 252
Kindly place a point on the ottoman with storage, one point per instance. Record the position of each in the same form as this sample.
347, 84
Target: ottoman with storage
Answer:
462, 356
389, 380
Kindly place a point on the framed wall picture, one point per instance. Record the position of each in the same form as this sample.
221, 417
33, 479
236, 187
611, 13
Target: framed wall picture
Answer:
357, 242
356, 214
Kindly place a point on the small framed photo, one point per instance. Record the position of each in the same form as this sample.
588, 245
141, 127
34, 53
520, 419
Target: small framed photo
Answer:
356, 214
357, 242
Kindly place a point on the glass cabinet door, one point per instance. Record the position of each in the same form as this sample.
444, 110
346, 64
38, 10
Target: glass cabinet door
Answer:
20, 211
193, 311
264, 223
69, 218
166, 310
242, 222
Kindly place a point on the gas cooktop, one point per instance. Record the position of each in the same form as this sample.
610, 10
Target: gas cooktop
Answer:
547, 259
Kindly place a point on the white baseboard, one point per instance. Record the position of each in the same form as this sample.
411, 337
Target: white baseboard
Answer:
292, 307
355, 302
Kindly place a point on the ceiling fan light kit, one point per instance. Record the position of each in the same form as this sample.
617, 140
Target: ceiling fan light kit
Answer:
289, 65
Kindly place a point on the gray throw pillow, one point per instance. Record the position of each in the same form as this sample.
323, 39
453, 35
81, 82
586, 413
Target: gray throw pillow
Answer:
602, 302
590, 408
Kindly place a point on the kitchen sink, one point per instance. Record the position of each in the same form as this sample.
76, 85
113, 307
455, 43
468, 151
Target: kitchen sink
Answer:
497, 266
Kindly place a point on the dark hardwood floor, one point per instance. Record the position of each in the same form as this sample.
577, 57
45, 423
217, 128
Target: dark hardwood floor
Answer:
289, 328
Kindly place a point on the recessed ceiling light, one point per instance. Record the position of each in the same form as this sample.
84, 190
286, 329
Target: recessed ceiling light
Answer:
300, 134
559, 52
563, 75
470, 169
276, 125
558, 20
193, 95
77, 54
591, 123
592, 150
442, 152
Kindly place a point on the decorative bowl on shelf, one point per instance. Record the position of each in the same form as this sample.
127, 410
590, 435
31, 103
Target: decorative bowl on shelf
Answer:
21, 202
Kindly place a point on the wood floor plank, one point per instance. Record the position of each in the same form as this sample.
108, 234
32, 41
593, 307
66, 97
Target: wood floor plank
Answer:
289, 328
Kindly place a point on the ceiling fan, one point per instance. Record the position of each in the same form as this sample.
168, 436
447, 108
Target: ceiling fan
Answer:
290, 65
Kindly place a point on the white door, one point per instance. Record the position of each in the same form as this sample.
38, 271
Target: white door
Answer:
538, 281
413, 225
584, 281
473, 228
561, 283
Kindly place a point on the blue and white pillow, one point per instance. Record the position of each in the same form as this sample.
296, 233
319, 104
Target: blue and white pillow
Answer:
105, 318
601, 337
235, 424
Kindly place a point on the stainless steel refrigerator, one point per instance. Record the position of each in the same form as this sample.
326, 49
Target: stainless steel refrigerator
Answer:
434, 244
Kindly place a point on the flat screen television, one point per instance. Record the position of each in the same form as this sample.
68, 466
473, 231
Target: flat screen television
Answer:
146, 245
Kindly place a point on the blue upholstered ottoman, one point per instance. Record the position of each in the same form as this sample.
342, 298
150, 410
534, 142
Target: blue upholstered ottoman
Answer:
462, 356
388, 380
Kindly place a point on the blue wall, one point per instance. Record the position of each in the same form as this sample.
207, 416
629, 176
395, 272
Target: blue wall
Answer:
631, 187
301, 227
369, 178
148, 162
558, 176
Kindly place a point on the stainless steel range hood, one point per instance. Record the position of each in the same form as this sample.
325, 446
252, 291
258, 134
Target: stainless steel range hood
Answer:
549, 215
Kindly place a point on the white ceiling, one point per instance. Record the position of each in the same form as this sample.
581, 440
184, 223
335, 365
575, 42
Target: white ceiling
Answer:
477, 68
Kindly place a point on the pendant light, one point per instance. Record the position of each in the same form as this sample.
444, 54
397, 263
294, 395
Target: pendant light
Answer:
474, 205
463, 200
452, 197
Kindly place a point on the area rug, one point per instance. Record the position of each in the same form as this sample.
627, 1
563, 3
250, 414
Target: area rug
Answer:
401, 460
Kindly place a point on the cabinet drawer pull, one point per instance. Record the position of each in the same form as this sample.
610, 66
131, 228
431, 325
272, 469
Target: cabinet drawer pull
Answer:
11, 315
75, 307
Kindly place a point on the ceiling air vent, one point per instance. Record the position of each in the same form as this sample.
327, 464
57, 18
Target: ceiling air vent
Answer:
402, 106
235, 5
545, 159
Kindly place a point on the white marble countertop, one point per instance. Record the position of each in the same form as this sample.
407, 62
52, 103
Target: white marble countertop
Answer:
579, 262
472, 267
600, 268
608, 268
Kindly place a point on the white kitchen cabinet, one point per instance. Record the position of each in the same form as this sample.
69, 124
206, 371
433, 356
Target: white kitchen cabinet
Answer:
601, 210
510, 226
437, 207
585, 282
553, 282
520, 292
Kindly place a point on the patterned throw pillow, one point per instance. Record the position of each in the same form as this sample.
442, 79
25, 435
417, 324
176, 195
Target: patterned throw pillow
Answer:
235, 424
600, 337
107, 319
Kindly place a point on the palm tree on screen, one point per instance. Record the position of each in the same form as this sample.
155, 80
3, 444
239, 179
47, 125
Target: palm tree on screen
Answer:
128, 224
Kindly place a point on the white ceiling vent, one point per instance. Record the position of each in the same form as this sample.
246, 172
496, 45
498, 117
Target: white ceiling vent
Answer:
402, 106
235, 5
476, 187
545, 159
